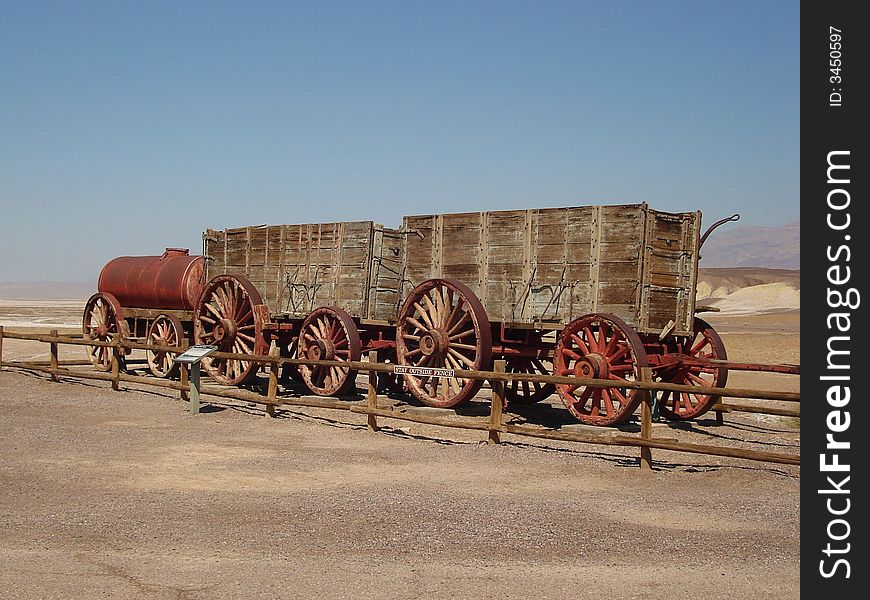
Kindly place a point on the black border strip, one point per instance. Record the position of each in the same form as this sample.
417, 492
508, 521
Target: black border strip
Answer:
831, 113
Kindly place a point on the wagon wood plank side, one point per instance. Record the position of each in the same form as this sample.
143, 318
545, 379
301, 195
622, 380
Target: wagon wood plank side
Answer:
387, 250
538, 267
377, 249
279, 278
297, 268
483, 256
530, 253
670, 271
595, 260
268, 298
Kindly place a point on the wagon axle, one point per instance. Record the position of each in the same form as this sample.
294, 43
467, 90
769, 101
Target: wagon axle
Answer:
435, 343
224, 332
592, 366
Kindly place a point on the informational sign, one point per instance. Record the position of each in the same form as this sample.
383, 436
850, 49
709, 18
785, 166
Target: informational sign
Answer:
194, 354
191, 358
423, 371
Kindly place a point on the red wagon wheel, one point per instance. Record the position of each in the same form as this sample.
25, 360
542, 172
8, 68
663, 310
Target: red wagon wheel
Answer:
599, 346
104, 321
291, 372
165, 330
390, 382
525, 392
228, 315
704, 344
443, 324
329, 333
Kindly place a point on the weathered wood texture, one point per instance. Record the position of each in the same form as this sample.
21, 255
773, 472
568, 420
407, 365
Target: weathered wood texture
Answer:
553, 265
297, 268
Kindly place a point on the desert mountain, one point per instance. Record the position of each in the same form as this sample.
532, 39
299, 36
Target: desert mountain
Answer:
752, 246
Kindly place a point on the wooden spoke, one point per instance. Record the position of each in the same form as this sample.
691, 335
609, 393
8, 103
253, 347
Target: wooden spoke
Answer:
462, 334
584, 349
434, 316
420, 327
590, 340
465, 318
572, 354
468, 362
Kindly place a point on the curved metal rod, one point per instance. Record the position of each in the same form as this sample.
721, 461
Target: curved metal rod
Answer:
734, 217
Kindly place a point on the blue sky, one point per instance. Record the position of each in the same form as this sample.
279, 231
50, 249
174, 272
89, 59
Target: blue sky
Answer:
126, 127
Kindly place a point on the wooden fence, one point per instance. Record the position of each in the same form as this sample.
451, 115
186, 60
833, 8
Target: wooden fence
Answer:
494, 425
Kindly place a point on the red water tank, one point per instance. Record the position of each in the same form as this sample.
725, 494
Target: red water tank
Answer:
170, 281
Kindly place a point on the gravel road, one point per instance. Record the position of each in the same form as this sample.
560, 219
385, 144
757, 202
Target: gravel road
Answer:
109, 494
126, 495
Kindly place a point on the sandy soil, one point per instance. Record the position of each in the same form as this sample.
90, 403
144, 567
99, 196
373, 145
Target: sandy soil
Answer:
107, 494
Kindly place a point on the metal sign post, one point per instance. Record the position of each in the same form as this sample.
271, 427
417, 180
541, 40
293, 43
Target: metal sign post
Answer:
190, 359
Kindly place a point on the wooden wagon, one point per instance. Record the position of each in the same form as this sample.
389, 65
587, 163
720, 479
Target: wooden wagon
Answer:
589, 291
615, 285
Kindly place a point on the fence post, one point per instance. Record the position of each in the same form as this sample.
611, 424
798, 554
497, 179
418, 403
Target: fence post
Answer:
646, 420
372, 396
497, 405
53, 333
272, 393
184, 372
116, 366
1, 347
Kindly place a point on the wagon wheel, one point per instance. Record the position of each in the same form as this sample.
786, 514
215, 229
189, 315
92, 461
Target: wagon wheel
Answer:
390, 382
704, 344
599, 346
443, 324
526, 392
329, 333
165, 330
103, 320
228, 315
291, 372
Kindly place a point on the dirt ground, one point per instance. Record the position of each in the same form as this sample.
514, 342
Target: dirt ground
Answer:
126, 495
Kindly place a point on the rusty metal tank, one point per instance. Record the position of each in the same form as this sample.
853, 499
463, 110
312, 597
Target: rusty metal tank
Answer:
170, 281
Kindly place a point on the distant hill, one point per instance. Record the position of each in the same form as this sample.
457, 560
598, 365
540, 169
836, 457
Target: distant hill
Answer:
751, 246
749, 290
724, 281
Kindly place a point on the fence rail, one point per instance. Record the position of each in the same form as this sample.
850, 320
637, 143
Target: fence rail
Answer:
494, 425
